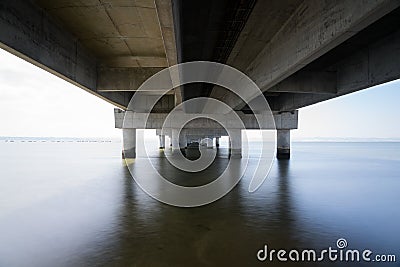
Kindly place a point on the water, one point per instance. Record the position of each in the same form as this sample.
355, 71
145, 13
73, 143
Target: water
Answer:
75, 204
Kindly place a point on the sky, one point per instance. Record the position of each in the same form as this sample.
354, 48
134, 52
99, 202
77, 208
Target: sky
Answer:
35, 103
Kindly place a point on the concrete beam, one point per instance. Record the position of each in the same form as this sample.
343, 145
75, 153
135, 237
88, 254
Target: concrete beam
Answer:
286, 120
123, 79
374, 64
166, 19
377, 63
228, 97
288, 101
316, 82
314, 28
135, 62
253, 38
110, 28
120, 99
29, 33
163, 105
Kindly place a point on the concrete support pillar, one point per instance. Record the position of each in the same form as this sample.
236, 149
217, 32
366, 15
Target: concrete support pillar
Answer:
235, 143
182, 140
283, 144
217, 141
129, 143
179, 141
161, 137
175, 139
203, 142
209, 142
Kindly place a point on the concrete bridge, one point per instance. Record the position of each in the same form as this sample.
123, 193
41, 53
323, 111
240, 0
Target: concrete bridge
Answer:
299, 52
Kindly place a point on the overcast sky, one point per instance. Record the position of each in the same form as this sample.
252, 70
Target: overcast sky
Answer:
34, 102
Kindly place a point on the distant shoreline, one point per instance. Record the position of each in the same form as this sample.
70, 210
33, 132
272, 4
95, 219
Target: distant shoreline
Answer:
59, 139
351, 140
115, 139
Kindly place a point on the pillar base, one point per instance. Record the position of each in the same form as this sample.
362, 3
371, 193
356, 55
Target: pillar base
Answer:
209, 143
283, 153
162, 141
129, 143
129, 153
235, 153
283, 143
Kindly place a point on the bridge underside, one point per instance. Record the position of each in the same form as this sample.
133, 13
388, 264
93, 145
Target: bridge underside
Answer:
297, 52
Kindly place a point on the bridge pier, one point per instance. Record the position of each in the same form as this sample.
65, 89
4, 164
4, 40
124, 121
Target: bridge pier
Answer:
209, 142
235, 143
284, 122
203, 142
182, 142
216, 141
161, 137
283, 144
175, 140
129, 143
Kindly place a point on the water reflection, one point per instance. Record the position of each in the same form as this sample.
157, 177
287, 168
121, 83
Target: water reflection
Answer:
227, 232
90, 212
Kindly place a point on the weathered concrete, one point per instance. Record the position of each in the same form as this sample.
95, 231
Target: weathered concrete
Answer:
85, 44
31, 34
313, 29
120, 50
376, 63
161, 138
123, 79
283, 144
210, 144
201, 128
113, 29
297, 58
164, 11
316, 82
254, 38
235, 148
182, 139
175, 139
129, 143
179, 141
285, 120
163, 105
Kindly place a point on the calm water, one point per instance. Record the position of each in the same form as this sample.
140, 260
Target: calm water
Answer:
75, 204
